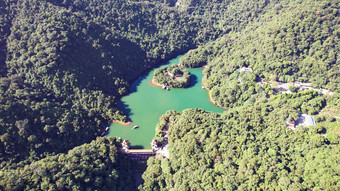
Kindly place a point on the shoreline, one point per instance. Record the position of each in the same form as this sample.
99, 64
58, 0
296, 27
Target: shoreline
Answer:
122, 123
213, 102
158, 63
153, 83
210, 98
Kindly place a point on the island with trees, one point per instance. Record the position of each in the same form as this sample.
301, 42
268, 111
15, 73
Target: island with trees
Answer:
171, 76
64, 65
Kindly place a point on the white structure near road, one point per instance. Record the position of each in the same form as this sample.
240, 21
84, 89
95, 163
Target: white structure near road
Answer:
304, 120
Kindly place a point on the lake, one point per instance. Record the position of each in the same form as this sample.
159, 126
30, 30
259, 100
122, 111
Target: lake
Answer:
146, 103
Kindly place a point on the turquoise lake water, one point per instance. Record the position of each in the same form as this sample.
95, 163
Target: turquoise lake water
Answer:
146, 103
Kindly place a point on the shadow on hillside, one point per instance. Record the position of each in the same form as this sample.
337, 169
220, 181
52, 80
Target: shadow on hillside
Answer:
99, 62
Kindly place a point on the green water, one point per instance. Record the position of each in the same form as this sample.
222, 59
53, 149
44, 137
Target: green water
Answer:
147, 103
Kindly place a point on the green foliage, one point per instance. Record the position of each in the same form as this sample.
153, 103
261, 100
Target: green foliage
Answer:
330, 119
293, 88
67, 62
333, 138
194, 58
203, 54
248, 148
35, 122
94, 166
331, 130
293, 42
173, 76
6, 7
64, 64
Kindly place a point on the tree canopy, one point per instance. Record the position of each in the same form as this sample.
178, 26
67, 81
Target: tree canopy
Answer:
94, 166
245, 148
64, 64
173, 76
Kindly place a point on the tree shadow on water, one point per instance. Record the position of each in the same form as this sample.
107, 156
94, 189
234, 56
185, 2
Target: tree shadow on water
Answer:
193, 80
122, 106
134, 86
136, 147
136, 83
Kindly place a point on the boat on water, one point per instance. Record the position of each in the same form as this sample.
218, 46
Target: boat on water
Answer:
135, 127
105, 131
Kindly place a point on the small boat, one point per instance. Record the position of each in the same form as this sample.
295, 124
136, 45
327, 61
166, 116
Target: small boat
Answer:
104, 131
135, 127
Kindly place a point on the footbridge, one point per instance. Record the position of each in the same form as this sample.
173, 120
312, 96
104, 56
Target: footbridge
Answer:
139, 154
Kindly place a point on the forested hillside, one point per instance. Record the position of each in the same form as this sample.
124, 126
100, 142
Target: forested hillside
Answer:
6, 17
250, 146
64, 64
293, 42
67, 62
245, 149
94, 166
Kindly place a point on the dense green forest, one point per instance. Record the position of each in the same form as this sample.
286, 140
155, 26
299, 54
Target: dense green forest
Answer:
64, 64
247, 148
67, 62
94, 166
173, 76
288, 44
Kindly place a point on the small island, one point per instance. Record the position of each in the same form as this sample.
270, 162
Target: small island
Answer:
171, 76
